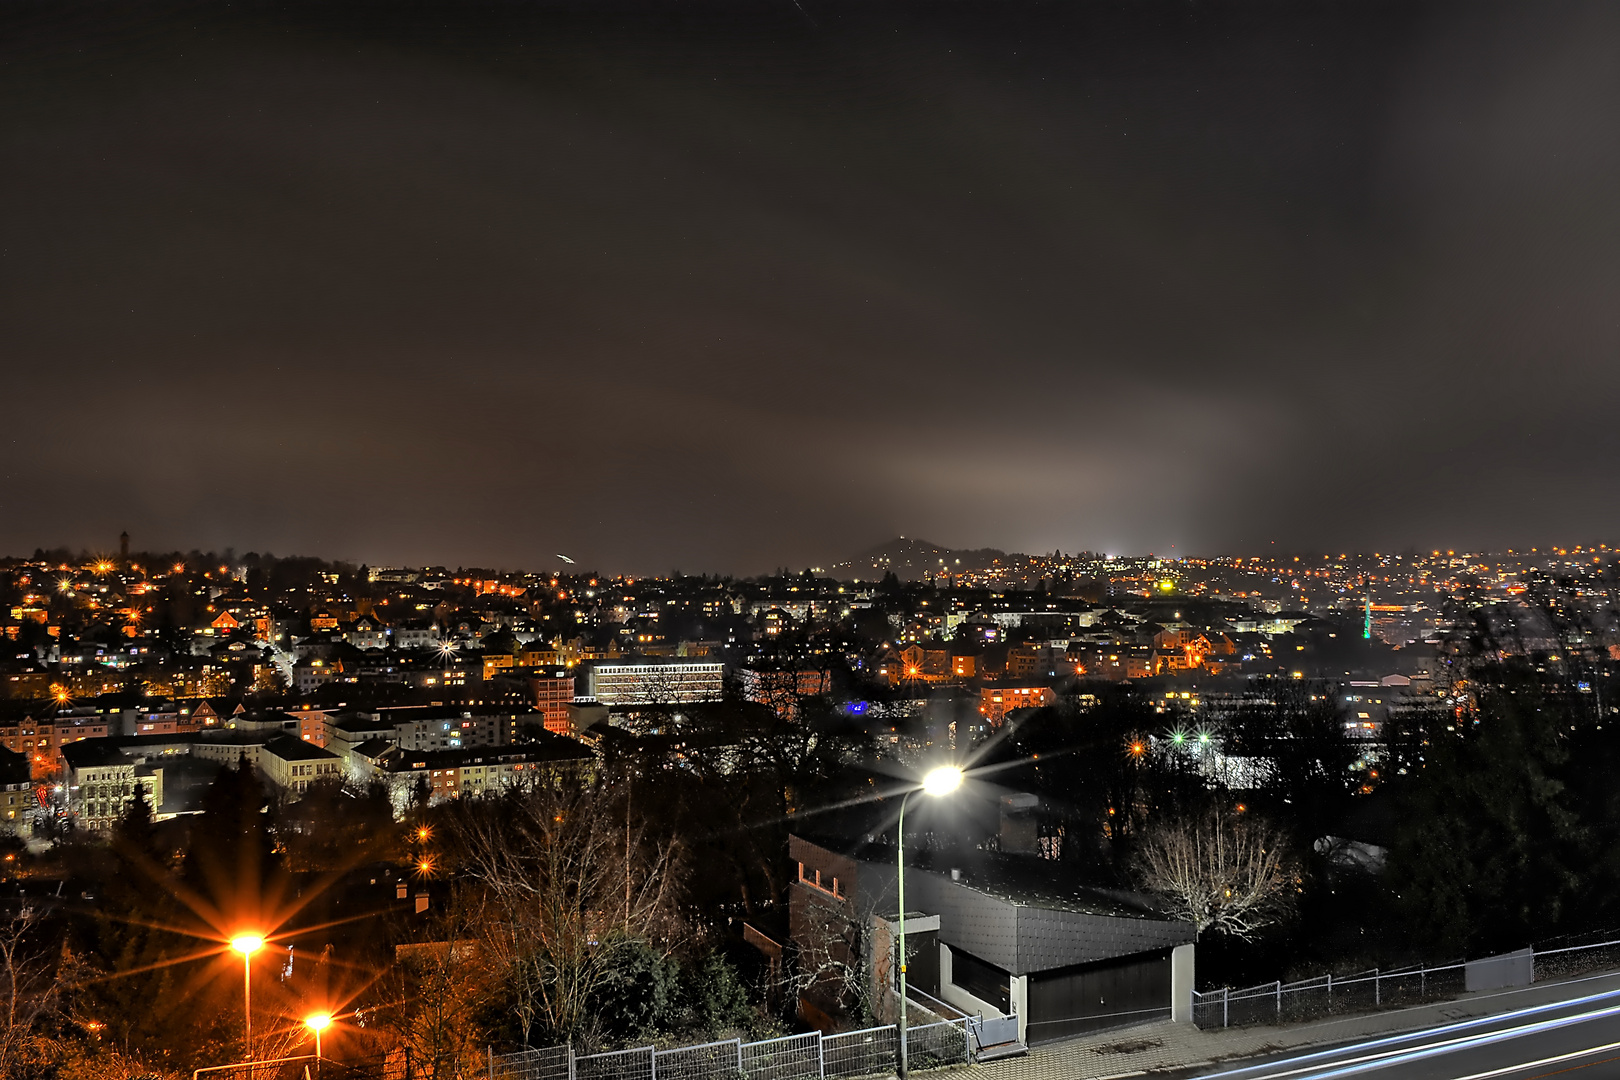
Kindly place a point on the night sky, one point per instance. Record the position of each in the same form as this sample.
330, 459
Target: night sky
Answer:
718, 286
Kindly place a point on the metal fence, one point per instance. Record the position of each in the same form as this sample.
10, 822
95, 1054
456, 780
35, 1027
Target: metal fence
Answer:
812, 1056
792, 1057
640, 1063
1327, 995
935, 1046
1568, 957
305, 1067
548, 1063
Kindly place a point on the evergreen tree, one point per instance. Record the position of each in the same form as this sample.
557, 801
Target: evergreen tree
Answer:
1489, 853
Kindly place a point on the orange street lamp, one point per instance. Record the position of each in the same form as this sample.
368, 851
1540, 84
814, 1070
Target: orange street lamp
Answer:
318, 1022
247, 945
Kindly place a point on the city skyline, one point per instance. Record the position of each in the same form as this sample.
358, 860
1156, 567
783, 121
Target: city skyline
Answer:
913, 557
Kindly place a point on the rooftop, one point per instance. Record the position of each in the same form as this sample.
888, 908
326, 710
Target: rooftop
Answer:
292, 748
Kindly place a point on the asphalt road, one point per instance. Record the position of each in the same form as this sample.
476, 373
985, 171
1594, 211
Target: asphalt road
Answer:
1577, 1039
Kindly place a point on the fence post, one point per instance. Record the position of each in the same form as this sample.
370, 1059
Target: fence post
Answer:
821, 1056
570, 1059
1330, 991
489, 1052
652, 1059
967, 1043
1279, 1001
739, 1059
1226, 997
1378, 995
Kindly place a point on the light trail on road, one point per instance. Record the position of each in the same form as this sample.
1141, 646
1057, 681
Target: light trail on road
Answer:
1451, 1051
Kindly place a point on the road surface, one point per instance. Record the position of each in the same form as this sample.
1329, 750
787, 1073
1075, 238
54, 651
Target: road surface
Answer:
1578, 1039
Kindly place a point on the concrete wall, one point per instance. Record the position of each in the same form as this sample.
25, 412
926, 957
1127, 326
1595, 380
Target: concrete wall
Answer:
1498, 972
952, 994
1020, 1005
1182, 983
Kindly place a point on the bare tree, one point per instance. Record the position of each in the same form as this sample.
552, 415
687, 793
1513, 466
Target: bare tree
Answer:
1227, 871
436, 997
567, 878
29, 992
832, 961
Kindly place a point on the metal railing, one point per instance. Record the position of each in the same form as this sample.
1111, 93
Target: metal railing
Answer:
1601, 951
1328, 995
811, 1056
309, 1067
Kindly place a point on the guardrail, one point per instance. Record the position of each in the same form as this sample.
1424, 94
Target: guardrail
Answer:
812, 1056
1327, 995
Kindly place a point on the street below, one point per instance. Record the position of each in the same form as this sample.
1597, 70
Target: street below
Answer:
1579, 1036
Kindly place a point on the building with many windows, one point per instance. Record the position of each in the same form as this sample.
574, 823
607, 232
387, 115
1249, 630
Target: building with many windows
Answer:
655, 684
553, 693
102, 780
451, 774
293, 765
16, 793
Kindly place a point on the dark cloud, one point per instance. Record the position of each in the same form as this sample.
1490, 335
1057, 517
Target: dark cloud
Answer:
727, 286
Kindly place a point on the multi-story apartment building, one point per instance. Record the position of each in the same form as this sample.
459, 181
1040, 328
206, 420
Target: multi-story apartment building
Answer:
16, 793
293, 765
553, 693
997, 700
102, 780
40, 740
454, 774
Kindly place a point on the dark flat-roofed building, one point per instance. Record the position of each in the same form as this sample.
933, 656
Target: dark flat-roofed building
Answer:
997, 936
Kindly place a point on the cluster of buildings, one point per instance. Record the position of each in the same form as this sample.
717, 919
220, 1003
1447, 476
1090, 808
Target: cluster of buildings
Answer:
115, 669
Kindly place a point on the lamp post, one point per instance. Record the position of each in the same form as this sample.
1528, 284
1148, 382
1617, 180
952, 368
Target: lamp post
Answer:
938, 783
318, 1022
247, 945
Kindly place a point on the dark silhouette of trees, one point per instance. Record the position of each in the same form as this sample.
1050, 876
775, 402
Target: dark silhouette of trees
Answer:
1492, 847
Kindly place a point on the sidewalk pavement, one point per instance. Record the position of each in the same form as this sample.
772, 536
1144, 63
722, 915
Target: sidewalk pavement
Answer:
1166, 1047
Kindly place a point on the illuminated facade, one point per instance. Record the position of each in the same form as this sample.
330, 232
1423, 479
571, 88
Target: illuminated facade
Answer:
656, 684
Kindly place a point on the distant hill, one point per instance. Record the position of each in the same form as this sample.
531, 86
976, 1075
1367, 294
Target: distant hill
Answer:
912, 558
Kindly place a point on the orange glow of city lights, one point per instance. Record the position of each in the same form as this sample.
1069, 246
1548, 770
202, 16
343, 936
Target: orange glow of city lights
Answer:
247, 944
317, 1021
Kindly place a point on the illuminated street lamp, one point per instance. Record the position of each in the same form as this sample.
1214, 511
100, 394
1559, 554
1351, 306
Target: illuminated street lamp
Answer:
318, 1022
938, 783
247, 945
